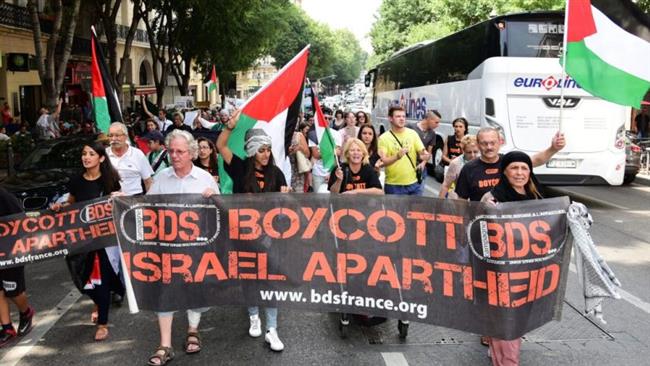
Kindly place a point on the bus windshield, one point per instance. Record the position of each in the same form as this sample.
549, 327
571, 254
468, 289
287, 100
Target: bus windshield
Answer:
534, 38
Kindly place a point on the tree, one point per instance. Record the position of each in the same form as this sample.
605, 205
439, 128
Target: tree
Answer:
157, 17
229, 34
299, 30
400, 25
396, 18
107, 11
644, 5
332, 52
52, 63
349, 57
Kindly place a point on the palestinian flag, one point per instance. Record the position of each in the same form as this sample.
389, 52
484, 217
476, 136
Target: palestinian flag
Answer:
608, 45
273, 108
212, 84
106, 105
326, 143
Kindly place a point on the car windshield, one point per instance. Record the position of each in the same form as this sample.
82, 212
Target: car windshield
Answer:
60, 155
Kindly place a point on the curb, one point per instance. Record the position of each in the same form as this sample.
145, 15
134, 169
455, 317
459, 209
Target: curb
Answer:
642, 179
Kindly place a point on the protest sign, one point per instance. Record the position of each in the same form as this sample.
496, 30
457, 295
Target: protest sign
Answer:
40, 235
493, 270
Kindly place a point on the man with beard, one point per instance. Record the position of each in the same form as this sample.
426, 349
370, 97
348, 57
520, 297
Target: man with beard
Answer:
130, 162
480, 175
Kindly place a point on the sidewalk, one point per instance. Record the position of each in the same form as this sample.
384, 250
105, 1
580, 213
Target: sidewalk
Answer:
642, 179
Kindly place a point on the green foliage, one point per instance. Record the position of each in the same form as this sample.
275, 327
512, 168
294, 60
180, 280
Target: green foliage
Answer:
404, 22
331, 53
644, 5
231, 34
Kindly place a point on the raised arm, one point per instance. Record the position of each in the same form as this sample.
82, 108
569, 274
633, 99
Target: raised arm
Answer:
143, 101
222, 141
557, 143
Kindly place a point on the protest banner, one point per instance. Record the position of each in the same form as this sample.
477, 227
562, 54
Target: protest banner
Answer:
492, 270
40, 235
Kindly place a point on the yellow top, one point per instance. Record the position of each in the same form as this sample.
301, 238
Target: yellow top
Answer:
401, 172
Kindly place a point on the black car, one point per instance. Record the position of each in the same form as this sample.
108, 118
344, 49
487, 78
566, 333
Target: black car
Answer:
632, 160
43, 176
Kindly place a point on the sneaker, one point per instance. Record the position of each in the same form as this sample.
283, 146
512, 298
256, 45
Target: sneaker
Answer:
25, 325
255, 329
273, 340
7, 336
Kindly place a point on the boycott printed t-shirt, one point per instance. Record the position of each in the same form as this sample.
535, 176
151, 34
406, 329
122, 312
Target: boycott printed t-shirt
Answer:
237, 170
365, 178
477, 178
401, 172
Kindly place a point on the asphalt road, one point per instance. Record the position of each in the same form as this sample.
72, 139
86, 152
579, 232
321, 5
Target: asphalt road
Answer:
63, 334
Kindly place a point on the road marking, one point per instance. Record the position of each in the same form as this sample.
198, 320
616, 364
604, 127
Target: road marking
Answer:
644, 306
394, 359
43, 325
434, 191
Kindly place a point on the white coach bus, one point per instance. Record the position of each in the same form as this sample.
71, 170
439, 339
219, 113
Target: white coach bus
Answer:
505, 73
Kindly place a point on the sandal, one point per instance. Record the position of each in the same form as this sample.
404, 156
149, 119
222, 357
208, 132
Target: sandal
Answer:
102, 333
192, 339
159, 359
94, 315
485, 340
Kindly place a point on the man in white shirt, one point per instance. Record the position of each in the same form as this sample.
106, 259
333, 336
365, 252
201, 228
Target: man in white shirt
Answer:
130, 162
319, 174
181, 177
47, 124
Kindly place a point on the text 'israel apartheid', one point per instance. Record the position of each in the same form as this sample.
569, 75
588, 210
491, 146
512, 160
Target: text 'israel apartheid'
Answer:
462, 265
40, 235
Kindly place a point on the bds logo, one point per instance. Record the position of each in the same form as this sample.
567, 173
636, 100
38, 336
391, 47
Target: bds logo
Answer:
171, 224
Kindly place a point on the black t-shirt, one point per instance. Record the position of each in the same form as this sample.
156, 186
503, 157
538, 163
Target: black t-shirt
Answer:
453, 147
642, 123
83, 189
237, 172
9, 204
183, 127
373, 159
477, 178
366, 177
212, 170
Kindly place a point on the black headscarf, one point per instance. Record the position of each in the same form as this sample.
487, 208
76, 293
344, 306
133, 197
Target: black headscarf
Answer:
503, 191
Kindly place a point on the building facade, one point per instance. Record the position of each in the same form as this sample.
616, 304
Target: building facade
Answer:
22, 89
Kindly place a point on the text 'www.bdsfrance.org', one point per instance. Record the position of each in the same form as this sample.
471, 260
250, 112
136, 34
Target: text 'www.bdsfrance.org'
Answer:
30, 258
331, 298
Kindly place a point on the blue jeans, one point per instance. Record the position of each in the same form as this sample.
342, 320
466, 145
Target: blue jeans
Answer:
414, 189
271, 316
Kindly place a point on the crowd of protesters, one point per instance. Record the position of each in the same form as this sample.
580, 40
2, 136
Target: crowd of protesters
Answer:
149, 153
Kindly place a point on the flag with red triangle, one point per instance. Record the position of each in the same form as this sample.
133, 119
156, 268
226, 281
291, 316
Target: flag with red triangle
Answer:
273, 108
106, 105
212, 84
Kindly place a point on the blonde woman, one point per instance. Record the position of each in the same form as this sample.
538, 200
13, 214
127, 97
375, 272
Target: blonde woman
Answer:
469, 146
356, 176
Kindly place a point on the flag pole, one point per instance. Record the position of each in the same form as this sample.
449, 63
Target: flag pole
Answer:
562, 81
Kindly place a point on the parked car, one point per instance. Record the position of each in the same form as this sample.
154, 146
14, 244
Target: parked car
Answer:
42, 178
632, 160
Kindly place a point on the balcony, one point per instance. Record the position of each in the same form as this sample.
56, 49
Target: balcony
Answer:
140, 35
18, 17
